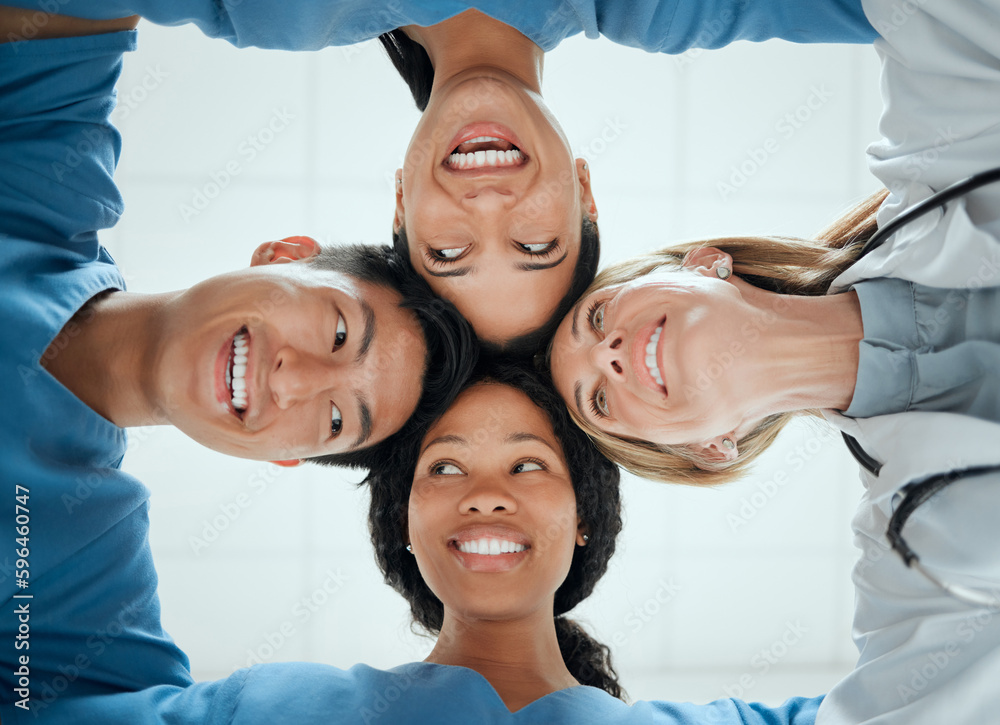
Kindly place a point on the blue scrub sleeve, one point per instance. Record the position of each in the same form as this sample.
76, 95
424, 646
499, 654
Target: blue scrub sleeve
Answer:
665, 26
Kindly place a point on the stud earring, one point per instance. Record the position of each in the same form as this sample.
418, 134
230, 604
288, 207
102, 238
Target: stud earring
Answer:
409, 548
586, 538
723, 272
399, 182
585, 167
728, 444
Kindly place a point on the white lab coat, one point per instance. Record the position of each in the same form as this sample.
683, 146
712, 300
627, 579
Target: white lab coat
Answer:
926, 657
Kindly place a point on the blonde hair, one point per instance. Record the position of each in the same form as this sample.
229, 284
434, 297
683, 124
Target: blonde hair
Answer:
784, 265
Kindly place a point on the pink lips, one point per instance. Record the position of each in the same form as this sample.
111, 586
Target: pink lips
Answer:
485, 562
483, 128
221, 364
639, 344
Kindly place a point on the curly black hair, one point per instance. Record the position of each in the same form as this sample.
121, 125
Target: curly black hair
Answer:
596, 483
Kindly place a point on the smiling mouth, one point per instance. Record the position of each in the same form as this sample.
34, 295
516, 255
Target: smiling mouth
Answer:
651, 364
489, 546
485, 152
236, 370
646, 359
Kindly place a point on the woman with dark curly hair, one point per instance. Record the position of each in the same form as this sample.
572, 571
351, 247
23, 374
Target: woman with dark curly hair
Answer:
493, 523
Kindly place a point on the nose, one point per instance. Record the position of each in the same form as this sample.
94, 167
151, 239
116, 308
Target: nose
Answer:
488, 495
299, 376
608, 356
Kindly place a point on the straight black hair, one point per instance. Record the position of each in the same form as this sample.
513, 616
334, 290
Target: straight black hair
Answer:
452, 350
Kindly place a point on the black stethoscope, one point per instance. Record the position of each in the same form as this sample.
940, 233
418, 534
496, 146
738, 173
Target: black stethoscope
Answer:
910, 496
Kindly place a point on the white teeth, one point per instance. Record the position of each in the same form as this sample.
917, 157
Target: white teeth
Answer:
236, 377
479, 159
489, 547
651, 364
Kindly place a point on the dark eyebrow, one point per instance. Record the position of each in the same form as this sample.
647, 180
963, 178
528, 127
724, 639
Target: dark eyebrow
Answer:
365, 414
459, 440
578, 397
521, 437
535, 266
369, 334
451, 272
576, 311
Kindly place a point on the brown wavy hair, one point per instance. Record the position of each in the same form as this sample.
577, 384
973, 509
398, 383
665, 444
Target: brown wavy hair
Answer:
785, 265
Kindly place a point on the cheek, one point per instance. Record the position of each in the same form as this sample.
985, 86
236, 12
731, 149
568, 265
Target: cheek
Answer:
557, 532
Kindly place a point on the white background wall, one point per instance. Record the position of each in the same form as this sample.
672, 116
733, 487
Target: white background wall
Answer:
742, 591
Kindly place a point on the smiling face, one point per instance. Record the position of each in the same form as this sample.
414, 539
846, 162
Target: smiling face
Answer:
492, 201
284, 361
651, 360
492, 512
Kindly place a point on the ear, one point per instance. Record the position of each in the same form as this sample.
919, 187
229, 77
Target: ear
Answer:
587, 196
291, 463
719, 449
289, 249
400, 215
707, 260
581, 529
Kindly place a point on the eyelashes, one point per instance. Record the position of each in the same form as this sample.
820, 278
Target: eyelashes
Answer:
444, 257
450, 468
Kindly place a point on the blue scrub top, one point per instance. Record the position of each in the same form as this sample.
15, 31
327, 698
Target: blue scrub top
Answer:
80, 633
658, 26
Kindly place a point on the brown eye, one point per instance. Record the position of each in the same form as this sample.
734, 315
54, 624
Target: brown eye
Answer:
336, 420
341, 335
528, 466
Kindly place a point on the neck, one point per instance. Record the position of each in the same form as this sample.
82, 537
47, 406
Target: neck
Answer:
520, 658
474, 40
105, 356
806, 356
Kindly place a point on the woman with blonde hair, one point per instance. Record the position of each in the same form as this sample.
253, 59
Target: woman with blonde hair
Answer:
777, 278
684, 364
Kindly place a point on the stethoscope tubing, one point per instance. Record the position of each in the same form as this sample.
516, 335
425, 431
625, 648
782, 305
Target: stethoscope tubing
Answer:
911, 496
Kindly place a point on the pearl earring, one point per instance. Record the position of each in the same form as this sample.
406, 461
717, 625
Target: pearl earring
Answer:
728, 443
409, 548
586, 538
723, 272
